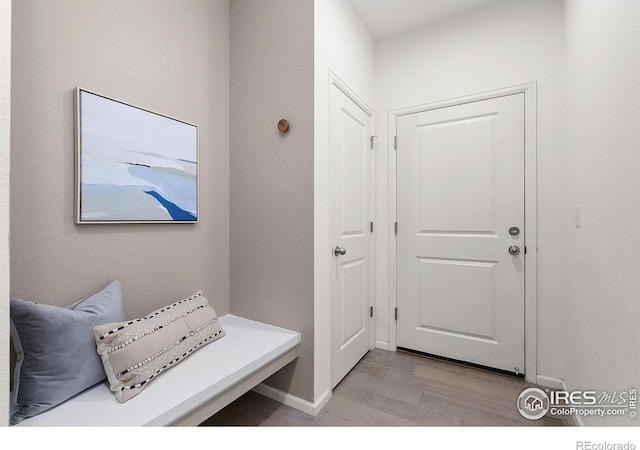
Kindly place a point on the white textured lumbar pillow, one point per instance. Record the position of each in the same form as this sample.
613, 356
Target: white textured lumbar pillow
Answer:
137, 351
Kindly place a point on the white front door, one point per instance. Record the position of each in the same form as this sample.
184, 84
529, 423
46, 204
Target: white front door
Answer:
351, 175
460, 213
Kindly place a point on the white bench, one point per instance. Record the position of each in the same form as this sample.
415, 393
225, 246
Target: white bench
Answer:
193, 390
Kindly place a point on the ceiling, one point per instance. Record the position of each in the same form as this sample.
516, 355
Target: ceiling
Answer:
384, 18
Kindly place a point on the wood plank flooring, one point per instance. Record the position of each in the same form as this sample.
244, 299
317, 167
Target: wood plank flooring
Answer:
387, 389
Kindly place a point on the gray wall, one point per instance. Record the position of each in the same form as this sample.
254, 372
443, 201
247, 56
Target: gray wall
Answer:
5, 96
167, 56
272, 200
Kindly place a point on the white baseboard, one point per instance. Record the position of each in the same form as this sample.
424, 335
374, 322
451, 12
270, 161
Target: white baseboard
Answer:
576, 418
382, 345
293, 401
550, 382
558, 383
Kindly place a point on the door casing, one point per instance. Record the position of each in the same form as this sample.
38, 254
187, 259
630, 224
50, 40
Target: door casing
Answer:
530, 174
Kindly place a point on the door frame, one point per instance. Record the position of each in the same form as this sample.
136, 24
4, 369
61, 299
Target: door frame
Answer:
335, 81
530, 212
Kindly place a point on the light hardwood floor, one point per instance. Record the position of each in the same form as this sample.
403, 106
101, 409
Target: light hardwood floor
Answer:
399, 389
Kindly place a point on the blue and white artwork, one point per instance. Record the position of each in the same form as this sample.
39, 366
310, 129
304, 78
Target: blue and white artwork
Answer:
134, 165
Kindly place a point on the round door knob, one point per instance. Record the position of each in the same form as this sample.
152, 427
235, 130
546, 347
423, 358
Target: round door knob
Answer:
514, 249
339, 251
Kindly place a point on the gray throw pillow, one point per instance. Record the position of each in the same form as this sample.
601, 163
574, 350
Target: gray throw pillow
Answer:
56, 349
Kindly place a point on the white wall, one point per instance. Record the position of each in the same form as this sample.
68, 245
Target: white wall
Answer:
499, 45
602, 308
585, 57
342, 45
5, 107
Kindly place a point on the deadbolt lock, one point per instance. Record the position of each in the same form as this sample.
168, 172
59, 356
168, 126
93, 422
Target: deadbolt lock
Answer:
514, 231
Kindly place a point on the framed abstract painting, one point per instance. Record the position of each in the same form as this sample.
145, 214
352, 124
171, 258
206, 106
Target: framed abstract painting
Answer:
133, 165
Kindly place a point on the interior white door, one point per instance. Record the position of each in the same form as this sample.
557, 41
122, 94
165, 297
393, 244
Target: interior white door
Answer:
351, 175
460, 212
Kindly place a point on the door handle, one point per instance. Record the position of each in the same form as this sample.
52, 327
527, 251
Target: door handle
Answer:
514, 249
339, 251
